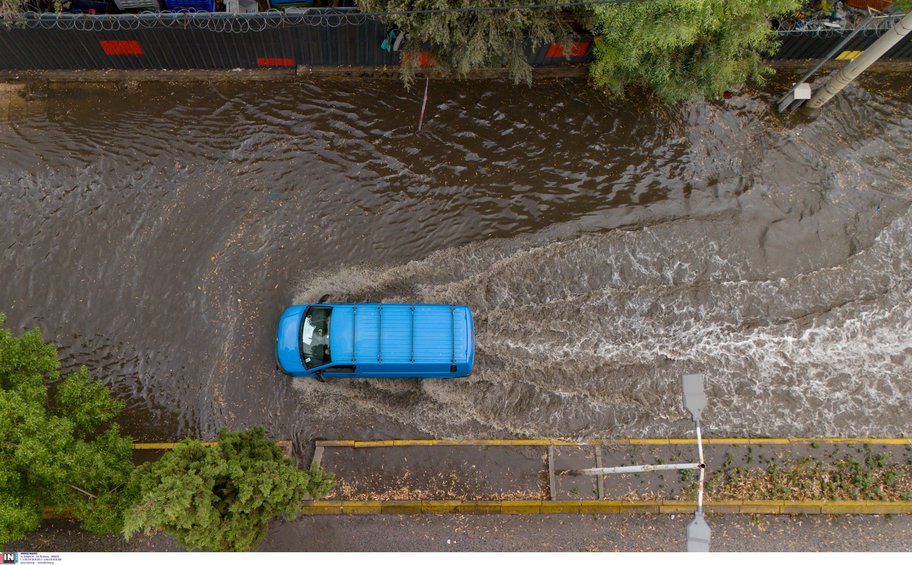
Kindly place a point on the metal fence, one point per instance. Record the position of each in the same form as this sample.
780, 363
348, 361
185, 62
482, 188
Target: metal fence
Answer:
324, 38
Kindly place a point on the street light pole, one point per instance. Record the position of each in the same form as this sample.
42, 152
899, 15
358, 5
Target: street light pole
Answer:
856, 66
698, 532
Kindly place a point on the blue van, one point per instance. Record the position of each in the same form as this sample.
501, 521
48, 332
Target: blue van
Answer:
431, 341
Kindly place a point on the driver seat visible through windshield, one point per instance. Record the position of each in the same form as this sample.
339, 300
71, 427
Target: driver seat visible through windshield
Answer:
315, 336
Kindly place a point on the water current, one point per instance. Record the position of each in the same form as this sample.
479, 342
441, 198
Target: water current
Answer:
606, 247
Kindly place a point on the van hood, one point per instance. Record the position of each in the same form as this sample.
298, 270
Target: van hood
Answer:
288, 343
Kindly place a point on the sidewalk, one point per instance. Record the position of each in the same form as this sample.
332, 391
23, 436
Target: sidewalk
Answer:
824, 475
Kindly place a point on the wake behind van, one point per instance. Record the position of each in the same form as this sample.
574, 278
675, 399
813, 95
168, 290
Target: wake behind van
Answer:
431, 341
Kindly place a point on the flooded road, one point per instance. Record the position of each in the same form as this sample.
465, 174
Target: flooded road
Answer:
157, 233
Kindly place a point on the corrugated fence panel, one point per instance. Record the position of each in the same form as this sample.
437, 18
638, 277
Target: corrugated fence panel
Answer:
202, 46
815, 45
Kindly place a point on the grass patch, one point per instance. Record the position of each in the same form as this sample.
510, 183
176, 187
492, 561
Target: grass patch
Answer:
870, 477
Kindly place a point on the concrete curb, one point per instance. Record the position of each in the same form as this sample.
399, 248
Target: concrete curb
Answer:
546, 442
163, 445
603, 507
621, 441
89, 76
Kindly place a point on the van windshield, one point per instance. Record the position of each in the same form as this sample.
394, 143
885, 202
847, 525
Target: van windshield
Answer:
315, 336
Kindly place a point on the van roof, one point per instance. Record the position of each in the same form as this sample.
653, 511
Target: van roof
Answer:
400, 333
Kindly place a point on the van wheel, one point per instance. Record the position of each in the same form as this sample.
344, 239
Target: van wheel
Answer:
324, 298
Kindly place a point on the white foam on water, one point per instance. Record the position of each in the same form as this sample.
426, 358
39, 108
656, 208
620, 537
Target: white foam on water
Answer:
588, 337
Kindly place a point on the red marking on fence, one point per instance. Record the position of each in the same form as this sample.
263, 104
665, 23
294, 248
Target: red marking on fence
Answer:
275, 62
121, 47
577, 49
425, 59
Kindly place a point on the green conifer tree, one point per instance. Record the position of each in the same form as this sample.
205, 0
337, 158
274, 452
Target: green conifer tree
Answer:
221, 497
683, 49
58, 446
465, 41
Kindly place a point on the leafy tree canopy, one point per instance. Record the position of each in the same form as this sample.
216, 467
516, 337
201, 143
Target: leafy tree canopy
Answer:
58, 447
221, 497
471, 40
683, 49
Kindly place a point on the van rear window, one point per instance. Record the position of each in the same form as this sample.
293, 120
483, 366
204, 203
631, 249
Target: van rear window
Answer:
315, 336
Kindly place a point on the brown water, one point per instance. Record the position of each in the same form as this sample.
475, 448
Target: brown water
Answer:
605, 247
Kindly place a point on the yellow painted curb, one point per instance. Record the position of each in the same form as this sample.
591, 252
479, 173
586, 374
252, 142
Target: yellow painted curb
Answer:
172, 444
801, 507
439, 506
521, 507
677, 508
165, 445
322, 507
479, 507
760, 507
726, 507
361, 507
599, 506
637, 507
866, 507
604, 507
560, 507
619, 441
401, 507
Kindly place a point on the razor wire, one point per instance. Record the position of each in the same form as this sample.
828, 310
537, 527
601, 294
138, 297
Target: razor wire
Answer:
219, 22
224, 22
244, 23
822, 26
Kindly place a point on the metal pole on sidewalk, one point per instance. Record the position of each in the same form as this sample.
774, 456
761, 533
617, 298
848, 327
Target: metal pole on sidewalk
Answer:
855, 67
801, 90
698, 532
631, 469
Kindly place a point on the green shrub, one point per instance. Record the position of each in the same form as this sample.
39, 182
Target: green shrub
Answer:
58, 445
683, 49
221, 497
462, 42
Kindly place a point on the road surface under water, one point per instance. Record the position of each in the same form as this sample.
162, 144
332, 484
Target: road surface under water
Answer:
606, 247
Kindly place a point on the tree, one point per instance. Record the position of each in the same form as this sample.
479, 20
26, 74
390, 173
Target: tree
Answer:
683, 49
463, 41
58, 445
12, 8
222, 497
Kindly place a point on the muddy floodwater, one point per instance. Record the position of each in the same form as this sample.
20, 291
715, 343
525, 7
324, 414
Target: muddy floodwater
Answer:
606, 247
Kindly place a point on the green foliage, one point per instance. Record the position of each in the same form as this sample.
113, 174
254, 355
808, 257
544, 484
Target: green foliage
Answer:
12, 8
462, 42
683, 49
87, 400
54, 449
221, 498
